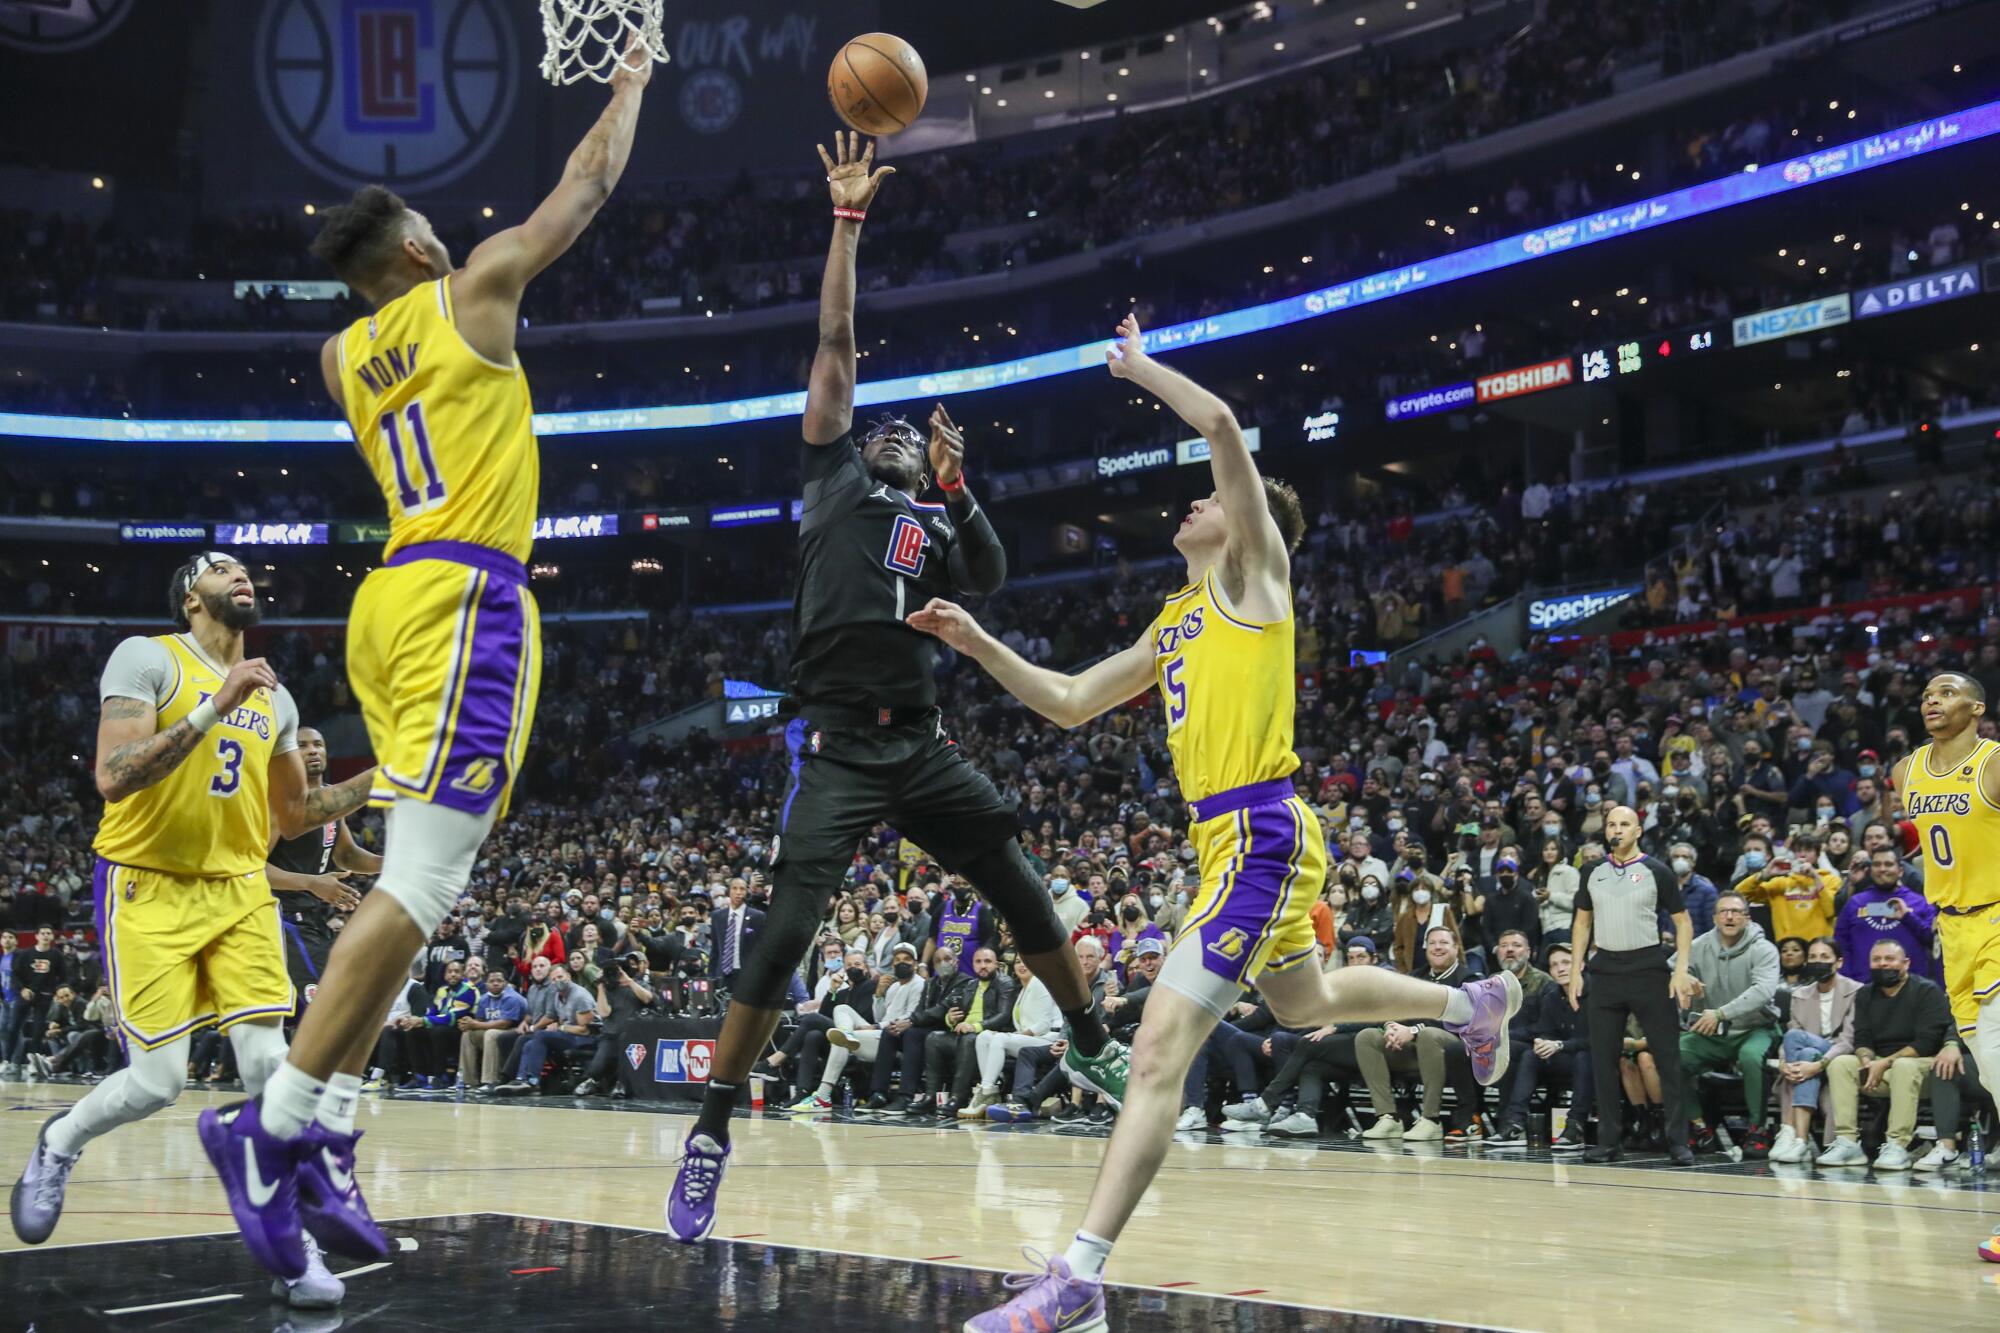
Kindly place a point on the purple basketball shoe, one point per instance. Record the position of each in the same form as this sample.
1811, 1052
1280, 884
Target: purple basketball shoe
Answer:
1495, 1001
691, 1207
1050, 1301
330, 1202
259, 1173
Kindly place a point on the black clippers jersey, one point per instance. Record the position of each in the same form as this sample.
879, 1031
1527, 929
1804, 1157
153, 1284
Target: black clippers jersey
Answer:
868, 556
311, 853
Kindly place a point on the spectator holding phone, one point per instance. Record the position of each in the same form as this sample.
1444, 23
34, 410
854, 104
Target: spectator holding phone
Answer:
1885, 908
1801, 896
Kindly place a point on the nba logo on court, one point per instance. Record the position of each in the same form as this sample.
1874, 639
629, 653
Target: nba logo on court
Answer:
409, 93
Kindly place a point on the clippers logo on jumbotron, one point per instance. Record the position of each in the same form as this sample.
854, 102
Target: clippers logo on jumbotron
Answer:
59, 25
406, 92
1527, 379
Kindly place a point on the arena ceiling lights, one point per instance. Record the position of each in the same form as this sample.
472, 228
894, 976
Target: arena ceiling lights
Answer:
1879, 150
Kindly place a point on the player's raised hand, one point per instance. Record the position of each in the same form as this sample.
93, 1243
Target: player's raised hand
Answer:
635, 67
1129, 352
851, 174
947, 447
949, 621
244, 679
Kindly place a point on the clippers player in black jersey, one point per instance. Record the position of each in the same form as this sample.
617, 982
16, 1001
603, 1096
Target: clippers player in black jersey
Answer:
307, 885
868, 743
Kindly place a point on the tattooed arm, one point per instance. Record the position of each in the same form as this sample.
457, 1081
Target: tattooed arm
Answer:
132, 753
296, 808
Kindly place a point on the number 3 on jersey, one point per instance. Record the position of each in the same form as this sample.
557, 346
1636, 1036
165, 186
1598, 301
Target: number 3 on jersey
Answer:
1176, 688
408, 495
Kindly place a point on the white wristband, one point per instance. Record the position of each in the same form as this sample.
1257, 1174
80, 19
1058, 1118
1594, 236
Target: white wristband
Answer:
204, 717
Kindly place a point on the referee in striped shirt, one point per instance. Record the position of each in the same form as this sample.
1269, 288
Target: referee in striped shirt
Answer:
1617, 908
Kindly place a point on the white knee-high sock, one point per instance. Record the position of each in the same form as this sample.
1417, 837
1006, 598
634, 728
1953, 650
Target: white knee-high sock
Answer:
337, 1106
1986, 1045
149, 1082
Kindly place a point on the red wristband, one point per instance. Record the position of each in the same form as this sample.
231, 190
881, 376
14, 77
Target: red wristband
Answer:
951, 489
851, 214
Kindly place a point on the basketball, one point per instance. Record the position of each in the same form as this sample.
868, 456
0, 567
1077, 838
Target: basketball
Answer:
877, 83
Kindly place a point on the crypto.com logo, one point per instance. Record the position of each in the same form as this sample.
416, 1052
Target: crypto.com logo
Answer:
410, 93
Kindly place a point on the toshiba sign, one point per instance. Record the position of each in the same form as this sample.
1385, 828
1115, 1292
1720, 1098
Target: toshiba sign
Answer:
1526, 379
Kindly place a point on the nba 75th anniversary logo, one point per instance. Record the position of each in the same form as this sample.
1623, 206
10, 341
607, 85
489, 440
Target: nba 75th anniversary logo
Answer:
406, 92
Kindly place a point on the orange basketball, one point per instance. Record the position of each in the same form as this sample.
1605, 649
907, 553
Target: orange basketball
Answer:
877, 83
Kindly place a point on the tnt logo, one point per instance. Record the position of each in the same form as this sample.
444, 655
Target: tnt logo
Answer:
907, 541
635, 1055
683, 1061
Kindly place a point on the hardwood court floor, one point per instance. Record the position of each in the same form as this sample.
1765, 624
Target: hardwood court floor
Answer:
1419, 1234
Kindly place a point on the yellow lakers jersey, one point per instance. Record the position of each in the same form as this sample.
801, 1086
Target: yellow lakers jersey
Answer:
210, 818
1958, 828
448, 433
1229, 692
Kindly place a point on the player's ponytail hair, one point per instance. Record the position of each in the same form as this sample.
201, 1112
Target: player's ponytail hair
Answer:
359, 238
1286, 512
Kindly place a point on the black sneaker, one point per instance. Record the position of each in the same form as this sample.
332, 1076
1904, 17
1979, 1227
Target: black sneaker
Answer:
896, 1106
1679, 1154
1757, 1143
518, 1088
1070, 1114
1700, 1139
1570, 1140
947, 1109
875, 1105
1604, 1154
1099, 1114
921, 1107
1508, 1135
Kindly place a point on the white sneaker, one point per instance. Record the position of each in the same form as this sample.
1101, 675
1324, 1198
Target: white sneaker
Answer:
1786, 1137
1792, 1150
982, 1097
1844, 1152
1385, 1127
1297, 1125
1893, 1157
1423, 1130
316, 1289
1937, 1159
1194, 1118
1253, 1109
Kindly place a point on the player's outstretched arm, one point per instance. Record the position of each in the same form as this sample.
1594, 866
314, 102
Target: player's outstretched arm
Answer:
488, 289
1254, 539
978, 562
295, 807
1065, 700
852, 179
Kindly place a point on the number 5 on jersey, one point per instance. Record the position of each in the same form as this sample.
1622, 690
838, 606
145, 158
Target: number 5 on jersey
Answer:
412, 499
1177, 698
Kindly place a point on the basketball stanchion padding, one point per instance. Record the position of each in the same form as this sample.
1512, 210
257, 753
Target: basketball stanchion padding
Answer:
587, 39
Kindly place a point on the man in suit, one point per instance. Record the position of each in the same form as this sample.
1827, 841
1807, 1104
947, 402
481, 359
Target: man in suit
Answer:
731, 930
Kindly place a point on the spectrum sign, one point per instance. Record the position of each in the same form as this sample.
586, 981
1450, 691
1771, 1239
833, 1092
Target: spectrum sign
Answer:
1525, 380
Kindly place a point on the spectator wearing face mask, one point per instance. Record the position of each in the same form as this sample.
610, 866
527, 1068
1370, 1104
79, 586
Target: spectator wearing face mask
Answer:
1419, 910
1761, 788
1885, 908
1070, 909
1436, 1056
1551, 829
1906, 1047
1554, 881
1556, 1048
1508, 905
1697, 890
1819, 1031
1130, 926
1825, 788
1801, 896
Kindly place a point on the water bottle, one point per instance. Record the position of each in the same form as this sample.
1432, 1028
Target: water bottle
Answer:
847, 1097
1976, 1148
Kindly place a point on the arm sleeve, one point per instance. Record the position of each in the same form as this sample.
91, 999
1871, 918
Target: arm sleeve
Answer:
286, 710
140, 669
977, 561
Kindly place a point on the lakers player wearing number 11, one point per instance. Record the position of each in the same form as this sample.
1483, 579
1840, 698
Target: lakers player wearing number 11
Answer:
1951, 791
1220, 652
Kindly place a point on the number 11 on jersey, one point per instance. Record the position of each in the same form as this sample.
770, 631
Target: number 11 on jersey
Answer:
407, 494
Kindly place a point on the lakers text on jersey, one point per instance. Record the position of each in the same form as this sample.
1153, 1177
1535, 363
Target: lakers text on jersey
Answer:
444, 643
189, 926
1229, 692
1959, 831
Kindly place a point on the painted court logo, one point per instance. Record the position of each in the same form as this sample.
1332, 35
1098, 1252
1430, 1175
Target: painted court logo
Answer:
410, 93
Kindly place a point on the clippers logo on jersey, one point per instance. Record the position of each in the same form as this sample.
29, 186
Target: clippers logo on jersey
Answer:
1943, 803
407, 92
907, 540
1173, 636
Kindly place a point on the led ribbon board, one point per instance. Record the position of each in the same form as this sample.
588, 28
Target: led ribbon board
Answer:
1880, 150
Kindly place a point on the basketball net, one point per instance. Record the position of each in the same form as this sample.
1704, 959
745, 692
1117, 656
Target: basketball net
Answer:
587, 38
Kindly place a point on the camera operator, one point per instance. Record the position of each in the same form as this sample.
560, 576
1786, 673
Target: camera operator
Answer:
624, 992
